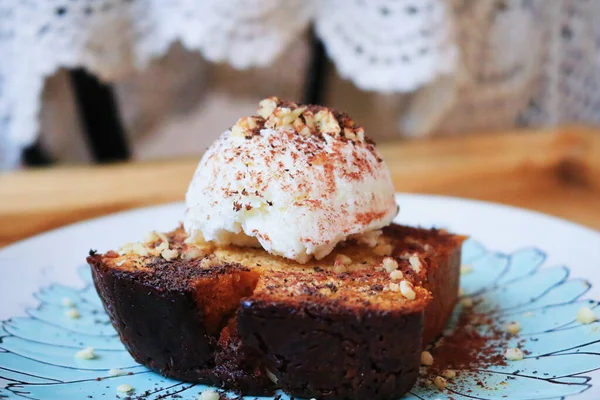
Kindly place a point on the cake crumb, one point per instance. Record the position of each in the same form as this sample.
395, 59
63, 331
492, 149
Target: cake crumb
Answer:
86, 354
513, 354
426, 358
585, 315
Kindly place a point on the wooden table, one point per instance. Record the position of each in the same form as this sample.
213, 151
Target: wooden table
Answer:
556, 172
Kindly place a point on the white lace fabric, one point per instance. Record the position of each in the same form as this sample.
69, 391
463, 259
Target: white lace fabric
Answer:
473, 64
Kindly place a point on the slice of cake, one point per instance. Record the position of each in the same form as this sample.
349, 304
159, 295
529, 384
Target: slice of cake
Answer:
287, 271
349, 326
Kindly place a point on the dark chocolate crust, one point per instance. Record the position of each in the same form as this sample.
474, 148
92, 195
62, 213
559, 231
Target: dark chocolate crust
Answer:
212, 321
316, 353
164, 329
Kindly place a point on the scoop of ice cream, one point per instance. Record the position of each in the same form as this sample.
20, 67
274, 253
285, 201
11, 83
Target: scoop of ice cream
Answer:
294, 179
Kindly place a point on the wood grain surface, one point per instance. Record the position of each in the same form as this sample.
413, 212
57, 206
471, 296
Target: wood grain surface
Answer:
556, 172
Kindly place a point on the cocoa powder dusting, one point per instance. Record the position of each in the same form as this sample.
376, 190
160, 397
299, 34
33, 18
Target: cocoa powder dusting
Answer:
477, 343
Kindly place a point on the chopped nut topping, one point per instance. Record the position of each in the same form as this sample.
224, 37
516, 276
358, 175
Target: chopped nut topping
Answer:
426, 358
389, 264
271, 376
406, 288
383, 249
120, 262
467, 302
513, 328
124, 388
151, 237
440, 382
465, 269
169, 255
267, 106
585, 315
326, 123
415, 263
67, 302
133, 248
72, 313
209, 395
449, 373
86, 354
394, 287
370, 239
339, 268
513, 354
193, 252
343, 259
396, 275
116, 372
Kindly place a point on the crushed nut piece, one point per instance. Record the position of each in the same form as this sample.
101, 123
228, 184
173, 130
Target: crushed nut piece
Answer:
67, 302
394, 287
169, 255
86, 354
406, 288
193, 252
343, 259
513, 354
440, 382
326, 123
396, 275
124, 388
426, 358
389, 264
72, 313
513, 328
383, 249
449, 373
209, 395
151, 237
371, 239
415, 263
467, 302
585, 315
133, 248
465, 269
271, 376
339, 268
267, 106
116, 372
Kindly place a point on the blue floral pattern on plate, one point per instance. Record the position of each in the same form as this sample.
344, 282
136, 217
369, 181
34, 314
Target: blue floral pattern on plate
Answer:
37, 352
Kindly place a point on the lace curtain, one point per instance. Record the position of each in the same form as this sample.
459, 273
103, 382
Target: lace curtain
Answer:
469, 64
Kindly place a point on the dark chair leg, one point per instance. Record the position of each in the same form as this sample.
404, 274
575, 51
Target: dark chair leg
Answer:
36, 156
316, 74
100, 118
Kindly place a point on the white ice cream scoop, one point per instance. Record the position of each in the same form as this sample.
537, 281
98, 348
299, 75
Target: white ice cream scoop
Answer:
295, 180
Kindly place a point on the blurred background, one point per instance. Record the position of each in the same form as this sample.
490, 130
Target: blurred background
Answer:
101, 80
116, 99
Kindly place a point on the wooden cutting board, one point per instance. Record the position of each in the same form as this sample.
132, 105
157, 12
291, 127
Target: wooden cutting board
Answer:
553, 171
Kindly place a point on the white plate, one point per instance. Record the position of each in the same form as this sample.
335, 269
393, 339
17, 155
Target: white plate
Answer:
522, 261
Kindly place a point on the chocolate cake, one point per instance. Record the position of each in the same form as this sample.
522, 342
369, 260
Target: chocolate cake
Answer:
349, 326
